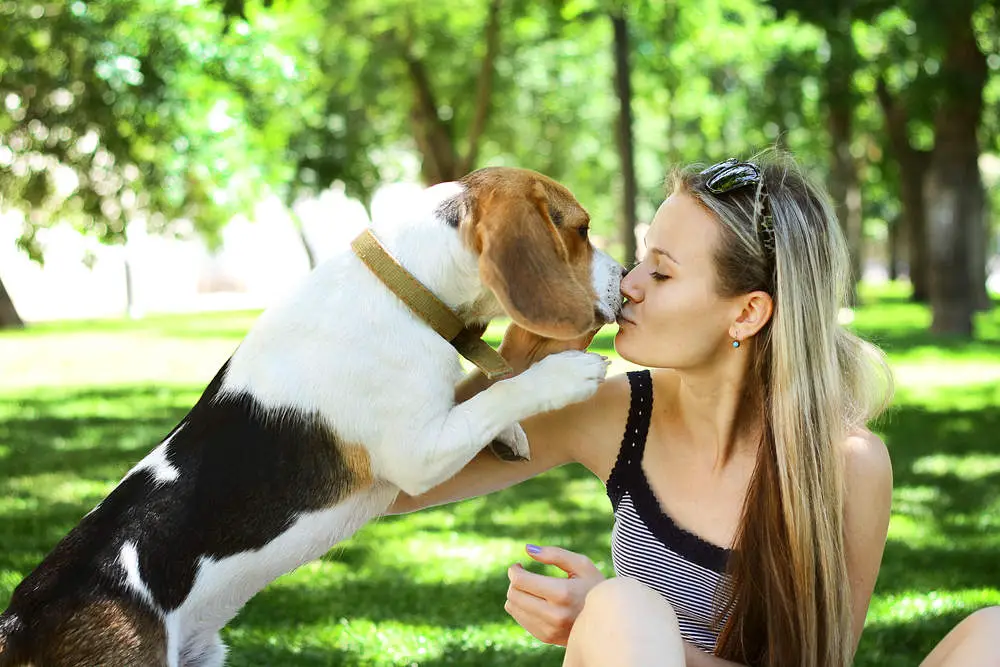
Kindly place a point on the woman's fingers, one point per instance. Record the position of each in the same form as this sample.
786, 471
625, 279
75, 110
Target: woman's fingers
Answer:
547, 606
570, 562
543, 619
556, 590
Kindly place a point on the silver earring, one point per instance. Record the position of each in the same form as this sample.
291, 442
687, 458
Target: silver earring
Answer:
736, 344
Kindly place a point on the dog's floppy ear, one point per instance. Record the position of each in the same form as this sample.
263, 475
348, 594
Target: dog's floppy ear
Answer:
524, 261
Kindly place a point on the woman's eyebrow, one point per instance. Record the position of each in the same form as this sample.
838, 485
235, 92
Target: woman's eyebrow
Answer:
664, 253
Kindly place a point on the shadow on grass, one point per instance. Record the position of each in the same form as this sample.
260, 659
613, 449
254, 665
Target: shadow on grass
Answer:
903, 644
388, 595
259, 651
898, 326
109, 430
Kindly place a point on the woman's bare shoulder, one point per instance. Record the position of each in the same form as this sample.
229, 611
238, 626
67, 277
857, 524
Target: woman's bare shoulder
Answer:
866, 459
867, 483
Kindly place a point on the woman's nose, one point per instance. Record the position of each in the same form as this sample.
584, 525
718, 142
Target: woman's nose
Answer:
630, 285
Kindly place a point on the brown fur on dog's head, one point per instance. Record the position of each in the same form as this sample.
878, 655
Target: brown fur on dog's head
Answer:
535, 255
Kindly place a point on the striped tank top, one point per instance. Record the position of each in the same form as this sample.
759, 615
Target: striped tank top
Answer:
648, 546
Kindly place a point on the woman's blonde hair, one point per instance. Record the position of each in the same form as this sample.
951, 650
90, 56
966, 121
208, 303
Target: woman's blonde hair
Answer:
813, 383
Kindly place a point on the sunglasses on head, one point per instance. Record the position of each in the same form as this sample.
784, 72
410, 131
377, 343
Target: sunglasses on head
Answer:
732, 175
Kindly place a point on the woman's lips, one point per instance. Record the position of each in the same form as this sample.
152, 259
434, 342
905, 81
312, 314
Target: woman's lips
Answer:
624, 320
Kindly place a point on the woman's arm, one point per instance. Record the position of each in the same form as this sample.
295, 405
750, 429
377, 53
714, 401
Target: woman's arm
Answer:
867, 506
556, 437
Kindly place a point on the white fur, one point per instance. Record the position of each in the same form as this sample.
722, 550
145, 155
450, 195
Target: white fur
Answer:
345, 348
156, 463
222, 587
129, 558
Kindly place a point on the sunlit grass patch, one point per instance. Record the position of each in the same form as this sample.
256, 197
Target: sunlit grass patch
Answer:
912, 606
970, 467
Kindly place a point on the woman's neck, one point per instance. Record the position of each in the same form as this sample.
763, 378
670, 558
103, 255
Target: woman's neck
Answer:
719, 410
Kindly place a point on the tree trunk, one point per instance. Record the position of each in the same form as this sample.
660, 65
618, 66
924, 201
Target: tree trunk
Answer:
9, 319
484, 88
434, 136
301, 231
894, 244
953, 191
623, 87
979, 243
131, 309
844, 186
913, 165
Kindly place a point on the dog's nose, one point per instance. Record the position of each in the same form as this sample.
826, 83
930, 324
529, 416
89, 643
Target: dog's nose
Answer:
624, 272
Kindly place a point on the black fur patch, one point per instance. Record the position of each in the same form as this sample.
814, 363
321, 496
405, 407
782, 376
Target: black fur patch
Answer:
556, 216
452, 209
244, 476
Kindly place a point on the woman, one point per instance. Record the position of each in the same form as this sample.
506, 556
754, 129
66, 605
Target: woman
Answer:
747, 490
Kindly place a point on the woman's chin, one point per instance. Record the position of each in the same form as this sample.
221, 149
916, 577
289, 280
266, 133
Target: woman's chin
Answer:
623, 340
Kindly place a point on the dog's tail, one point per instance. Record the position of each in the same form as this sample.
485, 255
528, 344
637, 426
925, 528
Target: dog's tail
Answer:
12, 631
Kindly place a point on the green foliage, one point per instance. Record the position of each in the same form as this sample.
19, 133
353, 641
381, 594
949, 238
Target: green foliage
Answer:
182, 114
132, 109
428, 588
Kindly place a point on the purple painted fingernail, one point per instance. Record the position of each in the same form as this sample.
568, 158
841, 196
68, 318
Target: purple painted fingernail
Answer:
533, 550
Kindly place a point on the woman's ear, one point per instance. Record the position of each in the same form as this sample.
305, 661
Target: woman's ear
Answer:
758, 306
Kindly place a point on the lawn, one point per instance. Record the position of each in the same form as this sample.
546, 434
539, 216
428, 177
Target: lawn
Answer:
81, 402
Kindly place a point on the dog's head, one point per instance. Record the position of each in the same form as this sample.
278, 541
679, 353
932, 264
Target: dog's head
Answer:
535, 254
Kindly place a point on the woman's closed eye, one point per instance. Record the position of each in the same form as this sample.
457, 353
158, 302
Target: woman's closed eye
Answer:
655, 275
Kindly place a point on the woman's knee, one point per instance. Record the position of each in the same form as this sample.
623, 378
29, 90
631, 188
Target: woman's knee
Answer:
624, 598
972, 641
627, 623
984, 623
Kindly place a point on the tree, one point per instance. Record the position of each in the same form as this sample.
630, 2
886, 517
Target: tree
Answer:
129, 111
9, 319
623, 89
912, 163
417, 42
837, 19
954, 195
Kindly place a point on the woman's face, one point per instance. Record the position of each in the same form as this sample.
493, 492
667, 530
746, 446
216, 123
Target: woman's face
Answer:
673, 317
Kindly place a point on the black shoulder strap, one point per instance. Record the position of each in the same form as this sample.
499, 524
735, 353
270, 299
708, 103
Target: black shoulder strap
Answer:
634, 439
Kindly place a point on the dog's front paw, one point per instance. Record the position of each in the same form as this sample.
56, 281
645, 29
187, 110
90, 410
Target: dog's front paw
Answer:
564, 378
511, 444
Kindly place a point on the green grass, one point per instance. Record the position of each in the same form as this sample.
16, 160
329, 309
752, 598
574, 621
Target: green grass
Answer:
81, 402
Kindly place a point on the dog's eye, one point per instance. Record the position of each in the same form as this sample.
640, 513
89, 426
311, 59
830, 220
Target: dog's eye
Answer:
582, 231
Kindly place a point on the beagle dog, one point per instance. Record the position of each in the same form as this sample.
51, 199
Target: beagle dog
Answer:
336, 399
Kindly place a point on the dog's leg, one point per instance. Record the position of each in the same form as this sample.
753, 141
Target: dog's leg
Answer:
444, 445
211, 655
511, 440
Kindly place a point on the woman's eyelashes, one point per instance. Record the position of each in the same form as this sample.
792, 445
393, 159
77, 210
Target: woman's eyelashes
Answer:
655, 275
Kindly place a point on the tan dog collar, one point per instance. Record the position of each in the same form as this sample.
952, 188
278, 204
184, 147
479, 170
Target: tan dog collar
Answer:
429, 308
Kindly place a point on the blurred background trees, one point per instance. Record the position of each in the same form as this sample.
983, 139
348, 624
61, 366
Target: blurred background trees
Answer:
178, 116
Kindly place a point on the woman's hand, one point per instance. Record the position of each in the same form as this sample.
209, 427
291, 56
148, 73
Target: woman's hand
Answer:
521, 348
545, 606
